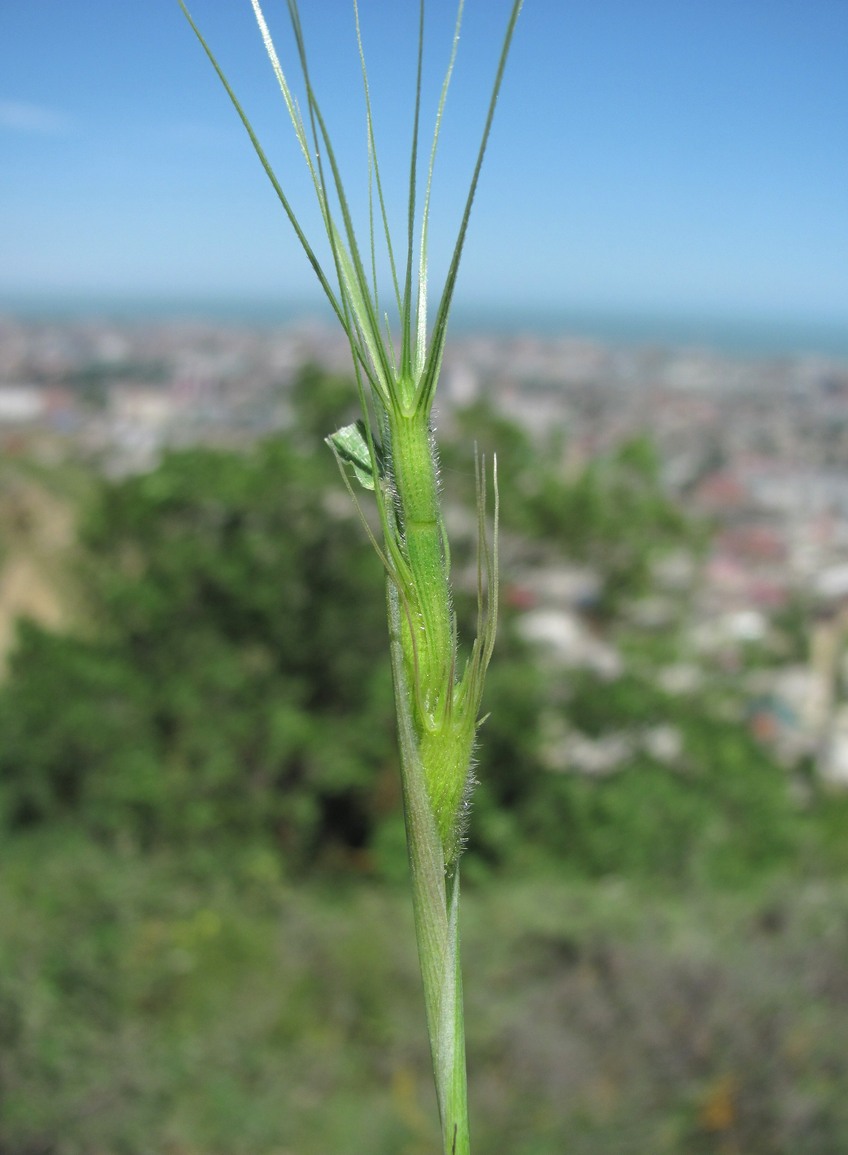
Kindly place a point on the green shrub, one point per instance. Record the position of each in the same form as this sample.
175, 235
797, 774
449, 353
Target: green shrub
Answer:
154, 1003
212, 695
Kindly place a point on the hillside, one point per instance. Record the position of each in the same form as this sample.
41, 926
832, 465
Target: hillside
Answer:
37, 526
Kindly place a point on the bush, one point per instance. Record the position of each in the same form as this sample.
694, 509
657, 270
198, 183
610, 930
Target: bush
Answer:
156, 1004
232, 681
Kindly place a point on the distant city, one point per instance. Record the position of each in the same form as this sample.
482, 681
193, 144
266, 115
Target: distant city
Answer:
756, 444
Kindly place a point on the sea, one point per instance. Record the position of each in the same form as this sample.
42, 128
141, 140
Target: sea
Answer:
737, 334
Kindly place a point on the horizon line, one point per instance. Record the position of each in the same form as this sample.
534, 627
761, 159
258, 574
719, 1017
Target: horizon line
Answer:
755, 332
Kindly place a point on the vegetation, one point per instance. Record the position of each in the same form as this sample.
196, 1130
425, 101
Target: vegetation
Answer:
665, 970
391, 452
659, 967
191, 1003
613, 512
208, 692
203, 696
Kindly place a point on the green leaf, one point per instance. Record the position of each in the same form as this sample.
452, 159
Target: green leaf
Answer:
350, 444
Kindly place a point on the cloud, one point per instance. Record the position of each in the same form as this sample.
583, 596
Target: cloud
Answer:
21, 116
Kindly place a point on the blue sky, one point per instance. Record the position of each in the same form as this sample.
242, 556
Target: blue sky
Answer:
647, 154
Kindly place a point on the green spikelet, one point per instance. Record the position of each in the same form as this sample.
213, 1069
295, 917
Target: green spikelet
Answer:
391, 453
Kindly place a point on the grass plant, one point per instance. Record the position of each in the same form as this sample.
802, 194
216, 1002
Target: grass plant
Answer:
391, 452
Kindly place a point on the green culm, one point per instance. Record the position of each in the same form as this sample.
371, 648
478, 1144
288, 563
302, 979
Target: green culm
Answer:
391, 453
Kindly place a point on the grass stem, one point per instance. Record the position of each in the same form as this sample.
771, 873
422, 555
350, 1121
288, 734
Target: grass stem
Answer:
437, 697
